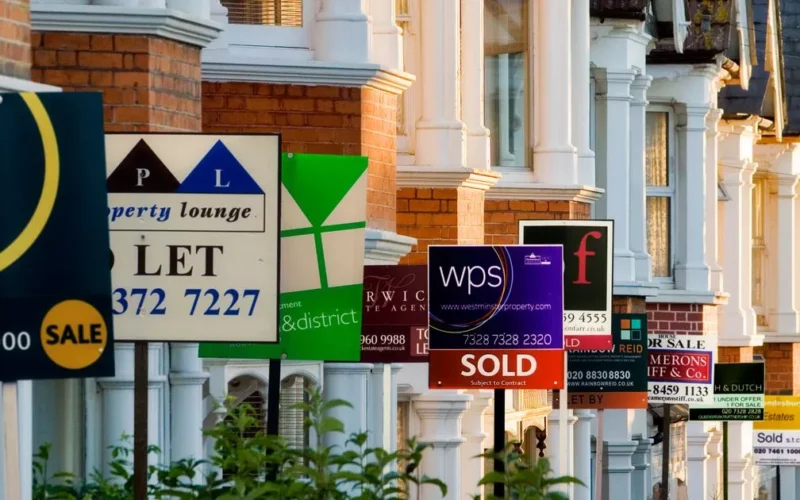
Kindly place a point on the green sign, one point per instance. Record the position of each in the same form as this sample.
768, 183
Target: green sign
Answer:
55, 267
323, 206
738, 394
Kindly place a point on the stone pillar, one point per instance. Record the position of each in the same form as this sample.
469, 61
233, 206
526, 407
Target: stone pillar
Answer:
784, 317
712, 204
713, 464
641, 468
378, 410
581, 95
186, 379
396, 367
472, 78
638, 189
347, 381
737, 318
472, 429
696, 459
440, 131
343, 32
739, 445
613, 163
440, 426
554, 154
117, 407
691, 270
619, 450
386, 34
583, 450
554, 449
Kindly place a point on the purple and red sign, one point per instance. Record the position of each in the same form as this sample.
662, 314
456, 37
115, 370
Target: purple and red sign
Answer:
395, 320
496, 298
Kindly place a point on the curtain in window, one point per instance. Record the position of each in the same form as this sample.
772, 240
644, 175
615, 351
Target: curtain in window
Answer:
505, 77
659, 193
658, 238
759, 245
265, 12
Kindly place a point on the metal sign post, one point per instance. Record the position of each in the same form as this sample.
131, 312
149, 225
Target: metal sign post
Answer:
140, 417
11, 440
499, 438
667, 418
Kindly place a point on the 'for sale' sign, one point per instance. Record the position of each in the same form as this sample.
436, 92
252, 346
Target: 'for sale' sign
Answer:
680, 368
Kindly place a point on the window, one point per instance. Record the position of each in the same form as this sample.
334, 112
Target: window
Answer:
660, 180
759, 247
505, 52
291, 422
265, 12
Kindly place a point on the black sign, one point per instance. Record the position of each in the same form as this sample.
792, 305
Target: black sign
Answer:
55, 267
738, 394
616, 378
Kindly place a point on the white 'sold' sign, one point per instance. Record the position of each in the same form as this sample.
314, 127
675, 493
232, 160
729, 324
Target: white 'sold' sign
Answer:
680, 368
776, 439
195, 223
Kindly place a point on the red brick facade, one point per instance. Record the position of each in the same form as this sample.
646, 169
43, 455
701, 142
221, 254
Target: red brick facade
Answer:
15, 38
687, 319
317, 119
502, 216
149, 84
783, 367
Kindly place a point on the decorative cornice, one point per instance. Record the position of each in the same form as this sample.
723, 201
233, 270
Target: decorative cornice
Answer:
754, 340
166, 23
348, 368
219, 65
781, 338
188, 378
443, 177
636, 289
518, 184
667, 296
10, 84
386, 247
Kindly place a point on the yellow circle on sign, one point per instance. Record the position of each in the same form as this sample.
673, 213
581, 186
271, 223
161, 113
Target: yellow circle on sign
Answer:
74, 334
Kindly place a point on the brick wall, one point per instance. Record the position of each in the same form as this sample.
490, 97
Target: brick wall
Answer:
783, 368
439, 216
317, 119
15, 38
503, 216
691, 319
730, 354
149, 84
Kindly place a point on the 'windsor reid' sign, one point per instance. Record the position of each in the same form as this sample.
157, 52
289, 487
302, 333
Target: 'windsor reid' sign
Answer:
495, 317
195, 223
588, 257
680, 368
738, 394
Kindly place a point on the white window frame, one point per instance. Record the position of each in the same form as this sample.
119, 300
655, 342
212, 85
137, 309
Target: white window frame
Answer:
671, 191
282, 37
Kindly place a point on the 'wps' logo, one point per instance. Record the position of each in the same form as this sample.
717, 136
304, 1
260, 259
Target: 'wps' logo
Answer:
582, 254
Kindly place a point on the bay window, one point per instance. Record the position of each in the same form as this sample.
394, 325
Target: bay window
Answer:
274, 23
660, 181
506, 71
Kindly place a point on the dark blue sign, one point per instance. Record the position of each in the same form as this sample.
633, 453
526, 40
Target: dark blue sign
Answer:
55, 266
496, 297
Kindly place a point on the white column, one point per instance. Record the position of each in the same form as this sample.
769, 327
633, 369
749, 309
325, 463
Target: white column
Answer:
696, 459
440, 426
195, 8
378, 407
386, 34
691, 270
440, 131
784, 317
713, 476
613, 164
117, 407
347, 381
581, 96
619, 448
343, 32
186, 379
712, 204
555, 160
583, 450
638, 192
750, 485
472, 77
641, 468
740, 436
25, 426
396, 367
472, 429
554, 451
737, 318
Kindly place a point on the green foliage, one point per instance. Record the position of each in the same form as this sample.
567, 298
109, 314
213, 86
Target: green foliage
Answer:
522, 479
257, 466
